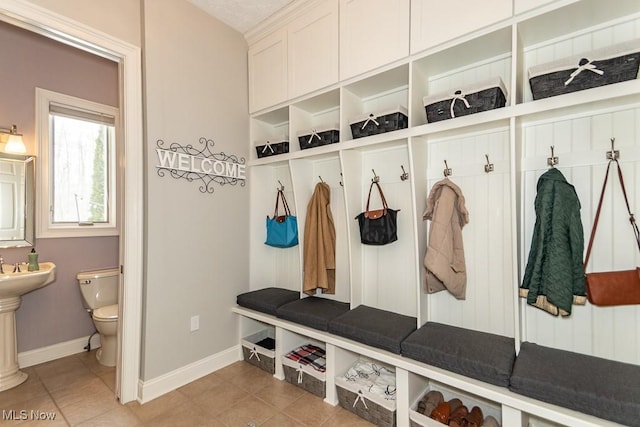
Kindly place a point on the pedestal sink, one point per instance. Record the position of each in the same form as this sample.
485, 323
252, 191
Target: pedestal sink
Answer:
12, 287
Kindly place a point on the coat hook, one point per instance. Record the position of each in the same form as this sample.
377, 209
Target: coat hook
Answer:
281, 188
489, 166
376, 178
447, 171
341, 184
405, 175
613, 154
321, 180
553, 160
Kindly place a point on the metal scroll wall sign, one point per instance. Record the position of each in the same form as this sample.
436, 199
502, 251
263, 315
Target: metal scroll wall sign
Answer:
186, 161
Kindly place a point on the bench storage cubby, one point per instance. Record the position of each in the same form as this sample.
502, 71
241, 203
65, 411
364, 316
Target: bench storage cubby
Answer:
480, 355
259, 350
314, 312
305, 367
375, 327
267, 300
592, 385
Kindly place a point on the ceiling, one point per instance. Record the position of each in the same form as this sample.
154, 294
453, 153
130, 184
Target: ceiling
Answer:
242, 15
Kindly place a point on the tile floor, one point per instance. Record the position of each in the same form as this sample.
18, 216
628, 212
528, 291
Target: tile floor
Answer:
79, 392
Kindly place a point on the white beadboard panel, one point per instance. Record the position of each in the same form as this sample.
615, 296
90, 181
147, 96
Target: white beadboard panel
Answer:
488, 306
607, 332
602, 36
388, 277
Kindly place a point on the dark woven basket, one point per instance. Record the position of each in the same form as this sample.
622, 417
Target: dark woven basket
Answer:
386, 123
310, 383
374, 413
272, 149
615, 69
482, 100
265, 363
310, 140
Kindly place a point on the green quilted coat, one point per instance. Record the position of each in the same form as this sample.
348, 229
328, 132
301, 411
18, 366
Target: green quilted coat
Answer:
554, 276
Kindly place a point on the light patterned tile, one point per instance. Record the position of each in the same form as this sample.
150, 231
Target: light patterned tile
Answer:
79, 404
249, 410
310, 410
160, 406
28, 390
279, 394
220, 398
186, 415
201, 386
118, 417
344, 418
40, 410
281, 420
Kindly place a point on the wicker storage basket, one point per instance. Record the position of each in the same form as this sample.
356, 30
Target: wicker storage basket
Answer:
304, 376
272, 148
373, 124
600, 67
465, 100
257, 355
370, 406
318, 136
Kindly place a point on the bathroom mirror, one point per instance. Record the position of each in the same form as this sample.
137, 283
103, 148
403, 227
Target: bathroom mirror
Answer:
17, 200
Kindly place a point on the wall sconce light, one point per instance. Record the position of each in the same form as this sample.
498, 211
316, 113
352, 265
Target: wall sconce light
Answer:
14, 143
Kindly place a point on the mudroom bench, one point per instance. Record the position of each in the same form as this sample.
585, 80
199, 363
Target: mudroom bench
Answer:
418, 369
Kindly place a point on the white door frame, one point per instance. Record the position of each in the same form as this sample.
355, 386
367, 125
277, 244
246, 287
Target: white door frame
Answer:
68, 31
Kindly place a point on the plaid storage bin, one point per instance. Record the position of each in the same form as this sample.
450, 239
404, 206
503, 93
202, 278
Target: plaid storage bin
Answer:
259, 350
305, 367
318, 136
600, 67
272, 148
465, 100
373, 124
368, 390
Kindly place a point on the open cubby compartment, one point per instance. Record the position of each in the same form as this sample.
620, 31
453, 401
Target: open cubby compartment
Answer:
581, 139
315, 114
303, 376
489, 248
277, 267
381, 93
574, 29
254, 351
419, 386
381, 276
272, 126
307, 173
468, 63
375, 405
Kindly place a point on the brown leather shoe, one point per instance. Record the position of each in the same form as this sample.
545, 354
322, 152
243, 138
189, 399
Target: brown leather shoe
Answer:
458, 415
454, 404
441, 412
429, 401
475, 417
491, 422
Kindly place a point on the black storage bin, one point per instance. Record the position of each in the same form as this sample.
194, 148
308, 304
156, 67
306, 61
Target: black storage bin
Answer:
373, 124
601, 67
272, 148
318, 136
462, 101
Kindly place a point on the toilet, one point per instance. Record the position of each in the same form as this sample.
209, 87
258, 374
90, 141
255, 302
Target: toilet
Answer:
99, 289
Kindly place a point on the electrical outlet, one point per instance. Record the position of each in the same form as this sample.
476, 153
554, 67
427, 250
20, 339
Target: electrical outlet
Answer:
195, 323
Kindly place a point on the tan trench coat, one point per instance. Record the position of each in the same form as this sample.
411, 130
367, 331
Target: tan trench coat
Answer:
319, 244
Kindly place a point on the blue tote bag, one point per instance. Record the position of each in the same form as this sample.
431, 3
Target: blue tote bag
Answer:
282, 230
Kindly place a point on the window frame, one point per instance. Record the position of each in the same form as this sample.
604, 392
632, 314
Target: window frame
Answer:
45, 227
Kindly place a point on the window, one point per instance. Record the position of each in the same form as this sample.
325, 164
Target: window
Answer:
77, 165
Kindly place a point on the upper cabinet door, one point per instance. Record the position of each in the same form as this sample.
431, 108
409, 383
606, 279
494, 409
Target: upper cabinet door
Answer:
268, 71
372, 33
436, 21
313, 49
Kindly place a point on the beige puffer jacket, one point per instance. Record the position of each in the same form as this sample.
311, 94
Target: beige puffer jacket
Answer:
444, 259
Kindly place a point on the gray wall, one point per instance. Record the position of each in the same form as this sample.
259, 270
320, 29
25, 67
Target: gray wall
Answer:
197, 244
55, 313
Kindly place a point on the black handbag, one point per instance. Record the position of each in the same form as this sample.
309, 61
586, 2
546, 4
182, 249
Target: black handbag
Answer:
378, 227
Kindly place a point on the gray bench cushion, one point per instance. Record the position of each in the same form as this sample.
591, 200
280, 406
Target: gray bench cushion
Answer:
372, 326
267, 300
314, 312
591, 385
480, 355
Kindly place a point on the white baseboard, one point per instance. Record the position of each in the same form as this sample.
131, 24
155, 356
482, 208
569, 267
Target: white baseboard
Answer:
156, 387
56, 351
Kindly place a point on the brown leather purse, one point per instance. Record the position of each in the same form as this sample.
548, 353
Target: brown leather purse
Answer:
613, 287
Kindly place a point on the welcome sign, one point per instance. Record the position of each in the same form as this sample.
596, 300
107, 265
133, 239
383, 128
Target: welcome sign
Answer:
185, 161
